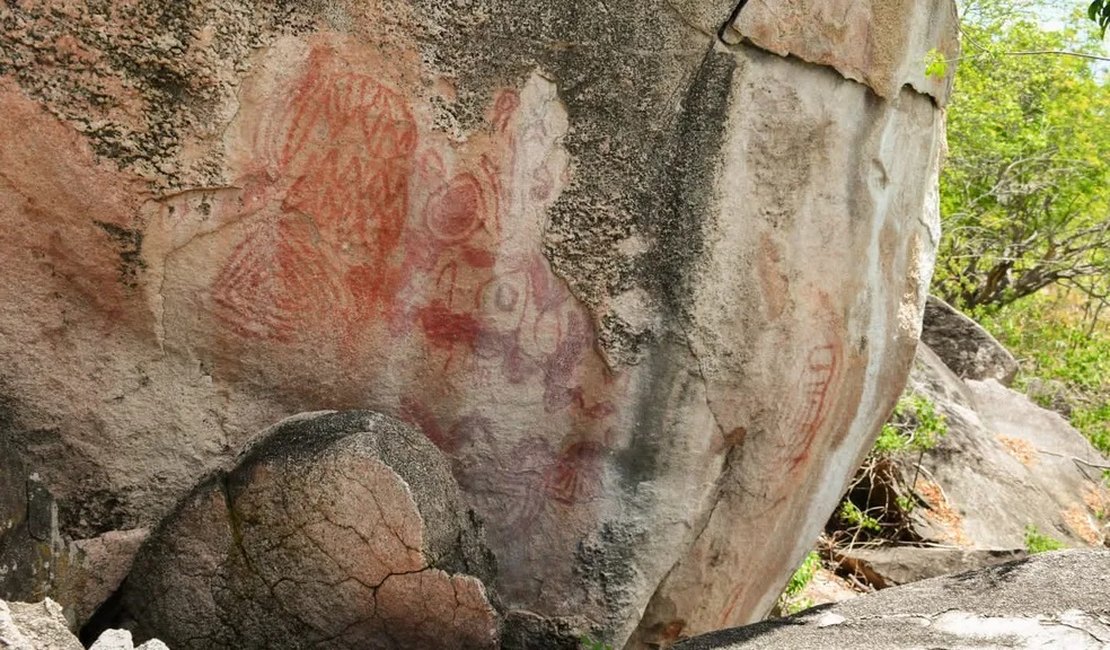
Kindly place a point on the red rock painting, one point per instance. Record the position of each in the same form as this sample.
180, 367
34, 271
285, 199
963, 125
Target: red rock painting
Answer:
367, 230
817, 389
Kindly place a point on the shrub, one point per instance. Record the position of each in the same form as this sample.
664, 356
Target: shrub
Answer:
1036, 542
790, 601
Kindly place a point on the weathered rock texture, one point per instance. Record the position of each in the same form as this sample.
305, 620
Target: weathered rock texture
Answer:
338, 530
42, 626
651, 293
35, 626
889, 566
882, 44
965, 347
1056, 600
1005, 464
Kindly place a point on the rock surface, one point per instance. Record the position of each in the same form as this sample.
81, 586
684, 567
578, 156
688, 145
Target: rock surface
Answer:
1005, 464
42, 626
651, 293
339, 530
1049, 600
35, 626
121, 640
883, 44
884, 567
965, 347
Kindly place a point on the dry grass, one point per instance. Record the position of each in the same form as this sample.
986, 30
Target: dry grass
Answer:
1023, 450
1079, 521
941, 512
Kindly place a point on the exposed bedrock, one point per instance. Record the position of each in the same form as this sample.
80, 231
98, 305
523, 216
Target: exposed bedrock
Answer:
651, 293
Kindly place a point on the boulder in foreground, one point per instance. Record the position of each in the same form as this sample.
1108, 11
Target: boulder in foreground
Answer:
337, 530
1051, 600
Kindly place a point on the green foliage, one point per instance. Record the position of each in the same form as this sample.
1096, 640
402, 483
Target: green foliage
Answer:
1025, 190
1036, 542
1099, 11
796, 605
915, 425
1053, 341
852, 516
791, 602
905, 503
936, 66
803, 575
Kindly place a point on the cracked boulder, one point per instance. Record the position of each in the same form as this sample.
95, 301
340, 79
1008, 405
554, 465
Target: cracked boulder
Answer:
336, 530
651, 291
1054, 600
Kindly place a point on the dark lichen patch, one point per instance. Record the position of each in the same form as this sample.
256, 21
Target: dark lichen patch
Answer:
607, 561
686, 185
142, 79
130, 244
642, 95
650, 439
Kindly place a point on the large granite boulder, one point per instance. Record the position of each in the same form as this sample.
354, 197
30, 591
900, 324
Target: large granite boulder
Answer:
651, 291
1005, 466
966, 348
1055, 600
337, 530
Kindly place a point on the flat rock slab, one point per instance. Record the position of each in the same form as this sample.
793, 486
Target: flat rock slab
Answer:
898, 565
337, 530
1057, 599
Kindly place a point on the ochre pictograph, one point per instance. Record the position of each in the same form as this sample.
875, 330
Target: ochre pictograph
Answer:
365, 229
339, 177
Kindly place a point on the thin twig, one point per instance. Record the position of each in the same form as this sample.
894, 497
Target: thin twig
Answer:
1078, 461
1081, 55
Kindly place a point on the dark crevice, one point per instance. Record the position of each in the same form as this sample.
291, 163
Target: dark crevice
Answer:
731, 20
106, 617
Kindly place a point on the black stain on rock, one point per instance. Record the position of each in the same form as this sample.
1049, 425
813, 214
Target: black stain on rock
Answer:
129, 243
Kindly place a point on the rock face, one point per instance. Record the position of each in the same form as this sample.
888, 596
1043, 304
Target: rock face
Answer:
338, 530
884, 567
35, 626
651, 293
42, 626
965, 347
1051, 600
1005, 464
881, 44
121, 640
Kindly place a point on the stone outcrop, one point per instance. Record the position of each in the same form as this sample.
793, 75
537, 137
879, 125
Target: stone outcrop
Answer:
890, 566
1005, 464
42, 626
338, 530
1050, 600
35, 626
965, 347
651, 292
121, 640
